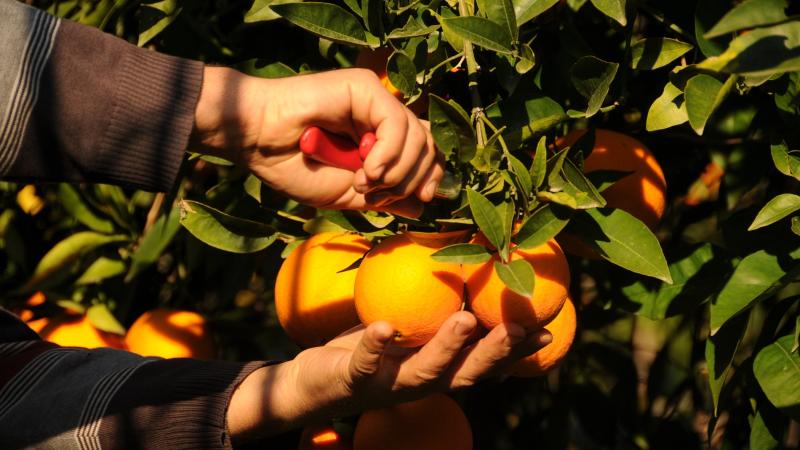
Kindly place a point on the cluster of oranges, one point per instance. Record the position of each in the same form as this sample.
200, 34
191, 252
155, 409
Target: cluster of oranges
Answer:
159, 332
335, 280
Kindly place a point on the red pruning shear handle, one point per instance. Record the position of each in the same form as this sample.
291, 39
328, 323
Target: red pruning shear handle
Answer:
337, 151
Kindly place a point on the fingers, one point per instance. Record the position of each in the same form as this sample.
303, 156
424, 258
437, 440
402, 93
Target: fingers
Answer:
502, 346
426, 367
367, 354
403, 156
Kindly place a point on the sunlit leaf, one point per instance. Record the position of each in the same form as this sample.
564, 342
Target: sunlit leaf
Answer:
324, 19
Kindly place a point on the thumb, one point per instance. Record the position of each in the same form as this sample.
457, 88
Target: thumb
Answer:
367, 355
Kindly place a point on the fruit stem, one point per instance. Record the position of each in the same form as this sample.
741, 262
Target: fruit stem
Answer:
472, 76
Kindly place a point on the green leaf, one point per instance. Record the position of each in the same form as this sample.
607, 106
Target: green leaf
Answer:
102, 268
480, 31
720, 350
776, 209
581, 188
796, 344
592, 77
777, 370
526, 10
761, 437
487, 218
261, 12
373, 11
502, 13
668, 110
755, 277
462, 254
623, 240
750, 14
325, 20
72, 202
402, 73
652, 53
155, 17
604, 179
527, 114
526, 59
517, 275
539, 167
707, 13
451, 129
544, 224
412, 28
787, 162
559, 198
703, 95
68, 251
614, 9
761, 52
223, 231
101, 317
154, 242
695, 278
521, 173
258, 68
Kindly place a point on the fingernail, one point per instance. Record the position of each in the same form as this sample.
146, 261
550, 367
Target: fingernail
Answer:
430, 189
462, 329
544, 337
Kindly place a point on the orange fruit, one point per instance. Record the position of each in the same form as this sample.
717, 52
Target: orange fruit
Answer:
322, 437
493, 303
74, 330
313, 294
400, 283
642, 193
435, 422
171, 334
563, 330
37, 299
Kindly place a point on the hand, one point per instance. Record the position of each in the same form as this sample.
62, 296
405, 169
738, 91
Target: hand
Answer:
361, 370
257, 123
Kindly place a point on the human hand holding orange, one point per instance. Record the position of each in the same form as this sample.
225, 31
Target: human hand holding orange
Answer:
361, 370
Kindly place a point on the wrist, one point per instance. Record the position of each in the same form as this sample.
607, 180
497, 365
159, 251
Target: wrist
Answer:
222, 116
263, 404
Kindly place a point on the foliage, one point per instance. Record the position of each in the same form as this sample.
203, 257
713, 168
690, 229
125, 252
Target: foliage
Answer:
686, 333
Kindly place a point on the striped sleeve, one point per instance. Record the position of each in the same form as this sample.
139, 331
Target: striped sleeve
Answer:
55, 397
79, 105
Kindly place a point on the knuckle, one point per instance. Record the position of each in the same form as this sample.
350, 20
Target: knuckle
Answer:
426, 377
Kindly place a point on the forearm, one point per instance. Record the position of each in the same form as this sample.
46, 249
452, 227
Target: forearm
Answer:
90, 107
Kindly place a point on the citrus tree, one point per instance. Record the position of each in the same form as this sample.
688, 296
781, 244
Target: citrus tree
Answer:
655, 142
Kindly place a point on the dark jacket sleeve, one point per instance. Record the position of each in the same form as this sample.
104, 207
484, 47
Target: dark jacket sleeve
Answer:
73, 398
79, 105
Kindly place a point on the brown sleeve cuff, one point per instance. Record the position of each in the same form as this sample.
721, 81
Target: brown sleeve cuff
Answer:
109, 112
174, 404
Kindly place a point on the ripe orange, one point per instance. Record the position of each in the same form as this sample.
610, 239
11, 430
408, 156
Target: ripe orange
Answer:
37, 299
399, 282
313, 297
642, 193
435, 422
563, 330
493, 303
171, 334
74, 330
322, 437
